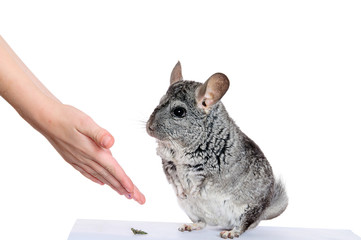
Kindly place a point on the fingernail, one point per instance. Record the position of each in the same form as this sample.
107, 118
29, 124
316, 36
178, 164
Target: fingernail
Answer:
106, 141
129, 196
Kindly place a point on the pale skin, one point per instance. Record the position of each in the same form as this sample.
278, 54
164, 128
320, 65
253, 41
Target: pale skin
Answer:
76, 137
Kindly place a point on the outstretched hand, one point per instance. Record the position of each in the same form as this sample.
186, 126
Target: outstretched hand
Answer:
85, 146
78, 139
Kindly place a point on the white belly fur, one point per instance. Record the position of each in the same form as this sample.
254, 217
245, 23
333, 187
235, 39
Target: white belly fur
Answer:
213, 210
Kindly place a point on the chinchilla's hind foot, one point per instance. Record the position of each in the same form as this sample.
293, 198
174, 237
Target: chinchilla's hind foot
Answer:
235, 232
192, 226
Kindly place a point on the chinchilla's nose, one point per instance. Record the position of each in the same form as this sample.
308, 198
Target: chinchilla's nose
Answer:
150, 127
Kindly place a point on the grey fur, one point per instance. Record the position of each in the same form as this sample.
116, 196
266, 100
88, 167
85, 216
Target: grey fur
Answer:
220, 176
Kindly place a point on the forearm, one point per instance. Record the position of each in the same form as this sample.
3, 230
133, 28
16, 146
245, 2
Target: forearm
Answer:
20, 87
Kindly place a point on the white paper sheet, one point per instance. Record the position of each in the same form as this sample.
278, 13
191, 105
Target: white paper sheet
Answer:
86, 229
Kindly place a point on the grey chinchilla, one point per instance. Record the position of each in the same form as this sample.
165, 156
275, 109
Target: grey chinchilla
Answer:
220, 176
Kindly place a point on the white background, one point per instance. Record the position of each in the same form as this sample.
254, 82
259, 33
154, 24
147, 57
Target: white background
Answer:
295, 75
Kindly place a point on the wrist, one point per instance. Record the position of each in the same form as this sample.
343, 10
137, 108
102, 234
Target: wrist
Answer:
39, 111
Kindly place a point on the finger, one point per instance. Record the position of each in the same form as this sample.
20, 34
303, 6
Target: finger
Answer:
118, 173
96, 175
106, 161
87, 175
102, 173
99, 135
138, 196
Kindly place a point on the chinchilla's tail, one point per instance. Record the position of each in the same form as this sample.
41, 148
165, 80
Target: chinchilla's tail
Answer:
278, 203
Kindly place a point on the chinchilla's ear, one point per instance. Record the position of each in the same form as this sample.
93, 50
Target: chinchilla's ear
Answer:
212, 90
176, 74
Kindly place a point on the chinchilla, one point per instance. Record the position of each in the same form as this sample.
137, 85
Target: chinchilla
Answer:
220, 176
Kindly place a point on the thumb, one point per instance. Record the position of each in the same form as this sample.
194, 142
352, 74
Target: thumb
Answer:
104, 139
99, 135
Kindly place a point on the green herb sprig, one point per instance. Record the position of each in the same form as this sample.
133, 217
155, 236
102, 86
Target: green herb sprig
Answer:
135, 231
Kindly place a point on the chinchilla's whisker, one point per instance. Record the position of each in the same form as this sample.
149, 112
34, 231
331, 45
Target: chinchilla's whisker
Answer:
140, 123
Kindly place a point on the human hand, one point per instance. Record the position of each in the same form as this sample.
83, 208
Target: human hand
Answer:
78, 139
85, 146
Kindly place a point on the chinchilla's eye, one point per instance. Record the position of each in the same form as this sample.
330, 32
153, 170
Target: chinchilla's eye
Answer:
179, 112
